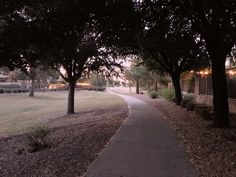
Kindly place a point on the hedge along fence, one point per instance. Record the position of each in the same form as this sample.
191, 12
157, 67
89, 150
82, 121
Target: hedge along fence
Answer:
12, 88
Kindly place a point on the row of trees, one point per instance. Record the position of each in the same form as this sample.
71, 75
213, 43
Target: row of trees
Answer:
178, 36
86, 35
141, 76
189, 34
55, 34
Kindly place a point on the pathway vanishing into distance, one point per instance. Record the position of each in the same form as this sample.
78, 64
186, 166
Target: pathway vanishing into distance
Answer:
144, 146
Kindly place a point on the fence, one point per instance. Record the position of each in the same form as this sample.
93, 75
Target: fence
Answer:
205, 85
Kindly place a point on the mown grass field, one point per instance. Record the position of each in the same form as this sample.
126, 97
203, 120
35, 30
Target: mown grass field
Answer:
18, 112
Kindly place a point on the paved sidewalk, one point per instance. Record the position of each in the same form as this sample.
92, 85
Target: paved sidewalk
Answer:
144, 146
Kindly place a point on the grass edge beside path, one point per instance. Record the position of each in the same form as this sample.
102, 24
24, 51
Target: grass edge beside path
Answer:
72, 147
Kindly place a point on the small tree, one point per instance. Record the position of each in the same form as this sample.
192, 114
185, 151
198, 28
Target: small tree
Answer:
139, 75
98, 80
75, 42
168, 43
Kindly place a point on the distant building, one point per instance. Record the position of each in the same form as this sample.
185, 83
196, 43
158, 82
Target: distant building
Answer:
200, 85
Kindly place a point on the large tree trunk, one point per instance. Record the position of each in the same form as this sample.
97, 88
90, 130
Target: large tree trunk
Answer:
32, 76
71, 98
176, 82
220, 91
156, 86
137, 86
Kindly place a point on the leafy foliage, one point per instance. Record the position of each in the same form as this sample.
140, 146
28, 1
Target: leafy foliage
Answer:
153, 94
98, 80
187, 99
167, 93
36, 138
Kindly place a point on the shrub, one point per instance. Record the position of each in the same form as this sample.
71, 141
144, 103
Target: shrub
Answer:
190, 106
36, 138
153, 94
199, 108
1, 90
15, 91
168, 94
183, 103
204, 111
8, 91
190, 98
92, 88
174, 100
98, 80
187, 99
101, 89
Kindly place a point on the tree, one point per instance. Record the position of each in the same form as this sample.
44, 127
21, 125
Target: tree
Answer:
75, 42
98, 80
168, 44
58, 34
215, 22
21, 38
139, 74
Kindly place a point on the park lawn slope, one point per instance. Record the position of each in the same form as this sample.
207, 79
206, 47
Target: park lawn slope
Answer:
74, 141
18, 112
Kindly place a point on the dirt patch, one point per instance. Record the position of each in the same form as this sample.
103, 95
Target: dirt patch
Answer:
72, 148
212, 151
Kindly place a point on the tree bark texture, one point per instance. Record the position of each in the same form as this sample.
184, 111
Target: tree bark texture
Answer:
137, 86
220, 92
32, 76
156, 86
176, 83
71, 98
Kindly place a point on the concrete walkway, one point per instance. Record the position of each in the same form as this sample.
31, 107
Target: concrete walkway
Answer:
144, 146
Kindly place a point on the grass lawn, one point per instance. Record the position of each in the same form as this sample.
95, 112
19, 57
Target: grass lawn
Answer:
18, 112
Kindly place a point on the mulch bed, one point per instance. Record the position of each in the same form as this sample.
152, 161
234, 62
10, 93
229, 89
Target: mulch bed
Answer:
72, 149
212, 151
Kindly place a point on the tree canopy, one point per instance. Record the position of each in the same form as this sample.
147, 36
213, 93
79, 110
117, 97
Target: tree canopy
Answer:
215, 22
86, 35
168, 42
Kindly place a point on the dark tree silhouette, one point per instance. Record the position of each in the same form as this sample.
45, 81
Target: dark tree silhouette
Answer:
215, 22
58, 34
20, 37
75, 42
168, 43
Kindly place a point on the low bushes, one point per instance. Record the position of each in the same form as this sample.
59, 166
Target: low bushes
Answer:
1, 90
190, 106
8, 91
204, 111
13, 90
187, 99
153, 94
167, 93
101, 89
92, 88
36, 138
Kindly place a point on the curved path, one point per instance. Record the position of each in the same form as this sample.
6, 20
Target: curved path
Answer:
144, 146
